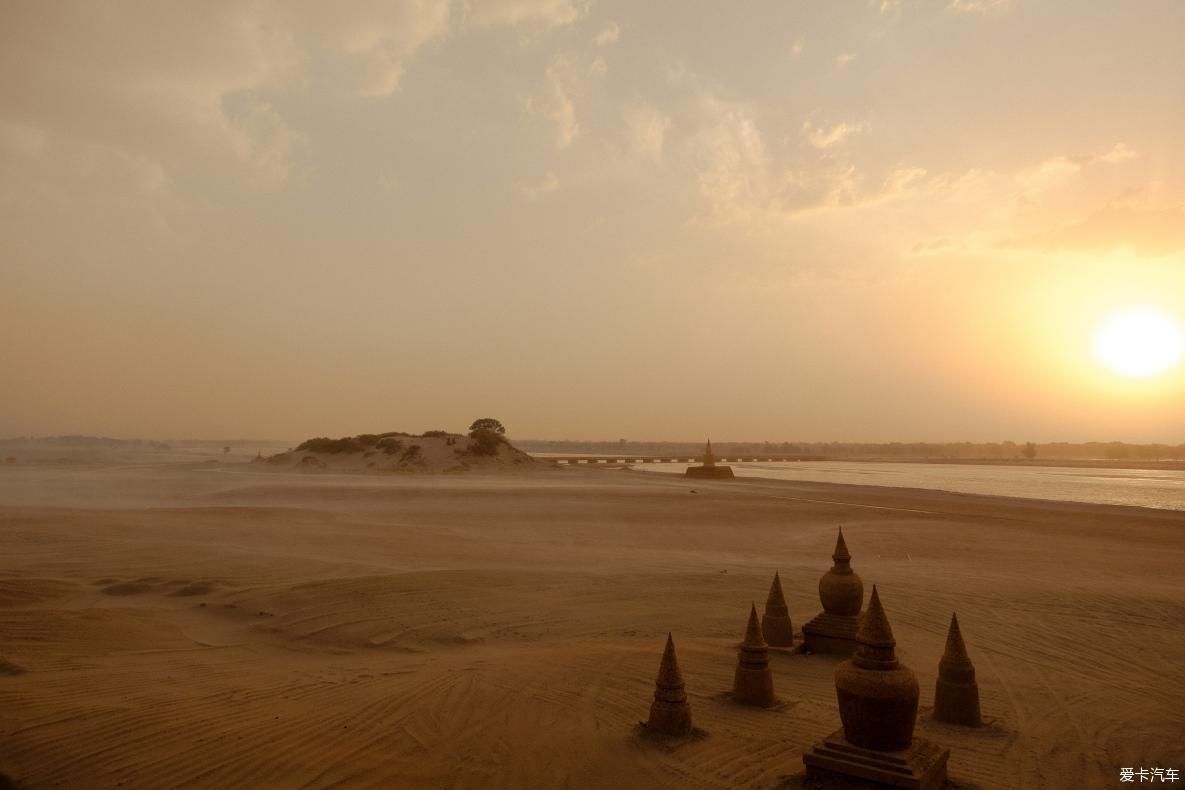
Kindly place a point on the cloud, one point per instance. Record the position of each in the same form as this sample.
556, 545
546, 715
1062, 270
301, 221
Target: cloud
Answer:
822, 138
844, 59
556, 104
376, 39
1060, 170
192, 86
550, 13
646, 128
609, 35
978, 6
532, 192
1143, 229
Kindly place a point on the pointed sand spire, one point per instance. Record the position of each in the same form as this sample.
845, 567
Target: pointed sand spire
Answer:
669, 713
753, 683
753, 635
956, 650
875, 645
956, 694
841, 553
775, 623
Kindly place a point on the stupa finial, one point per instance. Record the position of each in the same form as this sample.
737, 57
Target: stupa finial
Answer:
841, 553
956, 649
775, 623
669, 676
753, 635
875, 645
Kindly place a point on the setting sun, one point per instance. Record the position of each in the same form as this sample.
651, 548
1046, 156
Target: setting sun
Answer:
1139, 342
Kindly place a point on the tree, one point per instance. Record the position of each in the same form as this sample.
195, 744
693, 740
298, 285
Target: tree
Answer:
487, 424
1030, 450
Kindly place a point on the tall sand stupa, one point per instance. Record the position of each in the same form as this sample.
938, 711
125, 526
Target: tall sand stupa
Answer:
709, 470
753, 683
669, 713
878, 705
842, 594
956, 694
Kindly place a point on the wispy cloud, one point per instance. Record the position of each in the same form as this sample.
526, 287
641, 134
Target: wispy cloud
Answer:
978, 6
828, 137
608, 36
548, 184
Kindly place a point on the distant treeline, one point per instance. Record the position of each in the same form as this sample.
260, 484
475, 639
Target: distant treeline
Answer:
869, 451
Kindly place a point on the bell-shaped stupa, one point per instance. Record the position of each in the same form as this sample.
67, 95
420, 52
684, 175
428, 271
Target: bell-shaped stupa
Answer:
709, 470
669, 713
842, 593
956, 694
878, 705
753, 683
775, 623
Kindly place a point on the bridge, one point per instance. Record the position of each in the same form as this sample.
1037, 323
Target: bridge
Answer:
627, 460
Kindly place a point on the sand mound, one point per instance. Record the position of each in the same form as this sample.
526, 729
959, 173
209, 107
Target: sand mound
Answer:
435, 452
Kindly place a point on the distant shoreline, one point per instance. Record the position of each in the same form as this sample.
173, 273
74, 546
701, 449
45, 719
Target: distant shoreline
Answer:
1077, 463
1081, 463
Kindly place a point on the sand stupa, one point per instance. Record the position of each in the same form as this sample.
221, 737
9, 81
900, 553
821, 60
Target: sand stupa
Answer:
956, 694
753, 683
842, 594
709, 470
775, 623
878, 705
669, 713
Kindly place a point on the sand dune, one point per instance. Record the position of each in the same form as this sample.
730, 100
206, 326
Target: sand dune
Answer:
241, 629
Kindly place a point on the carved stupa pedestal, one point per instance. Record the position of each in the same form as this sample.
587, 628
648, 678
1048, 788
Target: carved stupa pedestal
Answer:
920, 767
833, 631
709, 471
775, 623
669, 713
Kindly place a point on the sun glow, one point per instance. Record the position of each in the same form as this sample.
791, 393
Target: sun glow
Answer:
1139, 342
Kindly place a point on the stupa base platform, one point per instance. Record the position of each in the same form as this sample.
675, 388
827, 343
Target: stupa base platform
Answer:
710, 472
920, 767
957, 703
754, 687
669, 718
832, 634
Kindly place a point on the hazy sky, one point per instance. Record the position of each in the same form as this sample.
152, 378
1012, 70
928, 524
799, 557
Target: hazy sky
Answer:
773, 220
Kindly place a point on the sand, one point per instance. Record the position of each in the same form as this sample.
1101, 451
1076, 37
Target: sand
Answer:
182, 624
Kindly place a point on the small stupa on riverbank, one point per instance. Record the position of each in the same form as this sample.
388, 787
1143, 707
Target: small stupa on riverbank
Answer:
709, 470
842, 593
878, 705
669, 713
753, 683
775, 623
956, 694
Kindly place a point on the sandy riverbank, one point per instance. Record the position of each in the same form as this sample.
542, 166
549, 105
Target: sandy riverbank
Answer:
211, 626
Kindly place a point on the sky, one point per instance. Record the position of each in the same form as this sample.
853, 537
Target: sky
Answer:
590, 219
